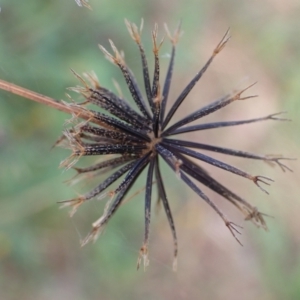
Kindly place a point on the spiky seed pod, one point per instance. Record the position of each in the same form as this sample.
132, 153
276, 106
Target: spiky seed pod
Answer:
133, 140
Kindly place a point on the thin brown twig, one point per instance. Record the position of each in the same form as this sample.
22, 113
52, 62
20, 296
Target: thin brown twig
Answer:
31, 95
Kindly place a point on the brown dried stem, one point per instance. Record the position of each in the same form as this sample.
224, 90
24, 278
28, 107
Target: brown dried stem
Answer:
61, 106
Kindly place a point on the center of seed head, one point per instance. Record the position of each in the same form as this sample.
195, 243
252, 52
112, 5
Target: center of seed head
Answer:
154, 141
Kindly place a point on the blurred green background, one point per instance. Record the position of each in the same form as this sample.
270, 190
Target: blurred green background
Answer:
40, 253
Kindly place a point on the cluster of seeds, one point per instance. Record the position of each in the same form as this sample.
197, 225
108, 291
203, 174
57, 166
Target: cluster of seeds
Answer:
132, 140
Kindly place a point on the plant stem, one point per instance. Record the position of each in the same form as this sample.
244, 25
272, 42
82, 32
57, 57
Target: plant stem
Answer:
31, 95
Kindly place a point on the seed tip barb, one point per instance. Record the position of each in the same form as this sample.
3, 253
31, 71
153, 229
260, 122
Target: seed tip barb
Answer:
177, 33
226, 37
276, 159
262, 179
233, 229
273, 116
143, 256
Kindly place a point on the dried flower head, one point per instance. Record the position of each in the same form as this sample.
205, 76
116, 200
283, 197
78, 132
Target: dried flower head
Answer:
132, 140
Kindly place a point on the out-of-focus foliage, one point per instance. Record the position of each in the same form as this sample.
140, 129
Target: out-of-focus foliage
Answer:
40, 254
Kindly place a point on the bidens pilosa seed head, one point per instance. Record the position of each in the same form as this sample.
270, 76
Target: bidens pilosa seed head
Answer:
131, 140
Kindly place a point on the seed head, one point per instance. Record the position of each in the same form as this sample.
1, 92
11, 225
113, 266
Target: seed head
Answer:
131, 140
